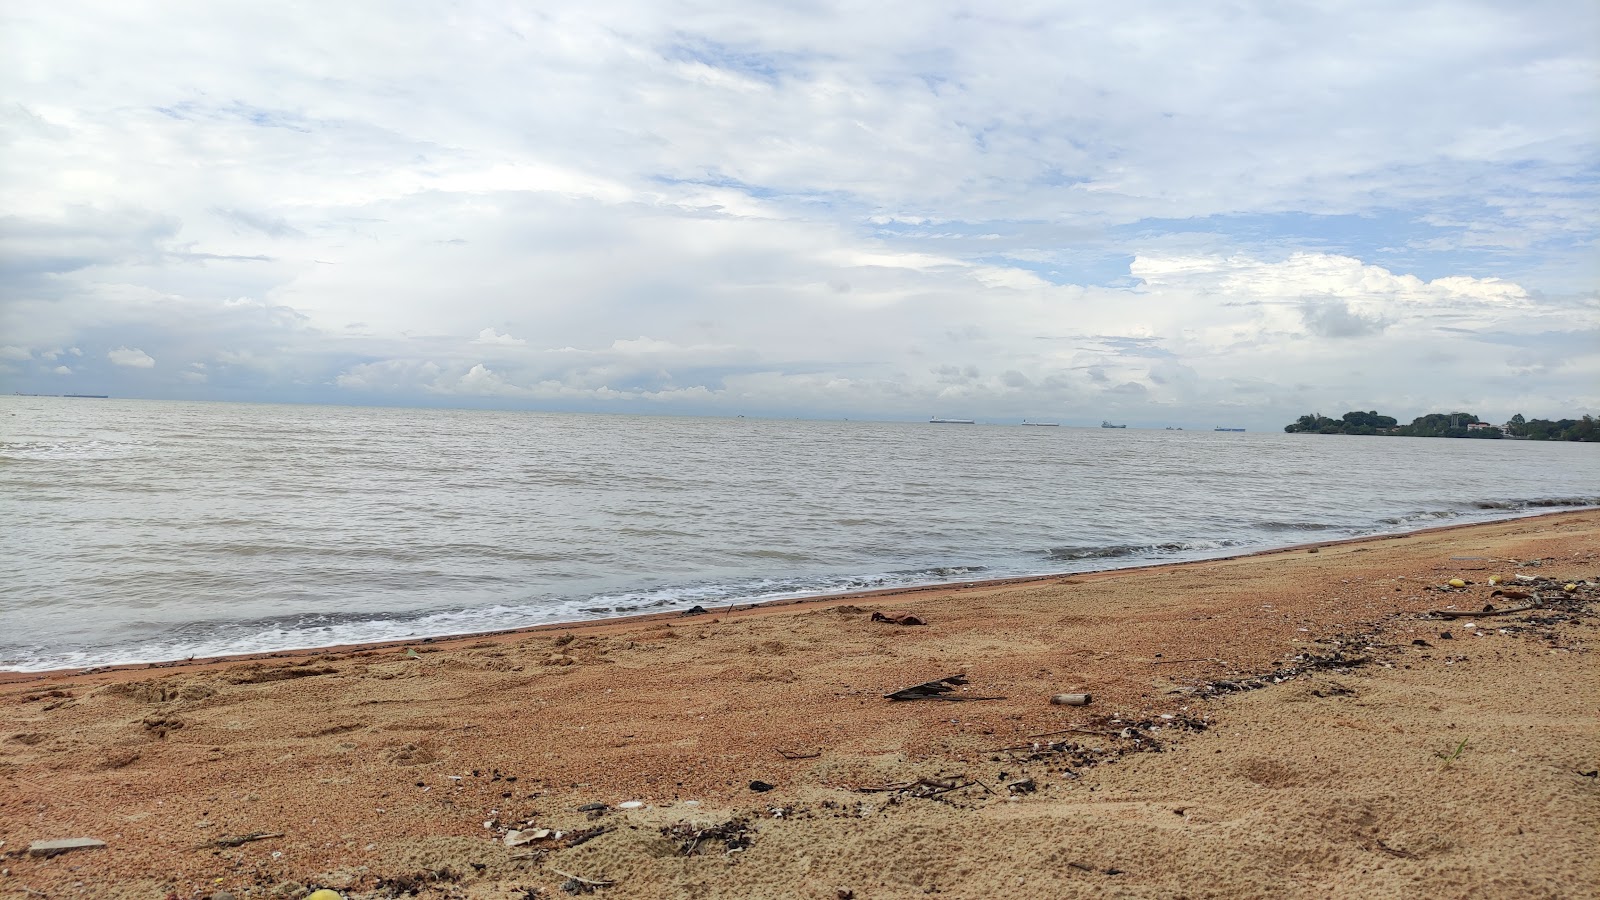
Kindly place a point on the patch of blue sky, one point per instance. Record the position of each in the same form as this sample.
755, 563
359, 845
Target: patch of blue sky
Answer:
1084, 268
767, 67
1398, 240
760, 192
1080, 257
238, 109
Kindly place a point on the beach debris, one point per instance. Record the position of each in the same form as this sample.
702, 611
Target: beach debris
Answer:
1340, 661
1486, 611
1456, 583
593, 807
586, 835
1446, 636
631, 804
1085, 867
733, 834
761, 787
796, 754
696, 610
516, 838
1071, 699
325, 894
64, 845
1022, 786
239, 840
925, 788
577, 884
901, 619
937, 689
1511, 595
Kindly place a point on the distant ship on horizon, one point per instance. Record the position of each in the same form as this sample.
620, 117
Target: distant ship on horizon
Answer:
1227, 429
1042, 424
937, 421
1106, 423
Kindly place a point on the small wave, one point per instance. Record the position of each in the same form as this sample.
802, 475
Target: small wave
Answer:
1123, 551
67, 450
1295, 526
1416, 517
324, 629
1537, 503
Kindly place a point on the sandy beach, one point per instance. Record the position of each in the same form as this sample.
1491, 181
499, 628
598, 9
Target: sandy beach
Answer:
1292, 724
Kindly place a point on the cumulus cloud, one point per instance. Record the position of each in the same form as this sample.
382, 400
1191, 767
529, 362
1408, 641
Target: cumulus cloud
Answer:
132, 357
490, 336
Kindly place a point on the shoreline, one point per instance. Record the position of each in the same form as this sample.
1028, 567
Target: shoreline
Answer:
1285, 724
903, 594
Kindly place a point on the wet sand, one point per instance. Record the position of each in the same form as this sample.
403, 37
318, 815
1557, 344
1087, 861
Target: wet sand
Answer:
1369, 765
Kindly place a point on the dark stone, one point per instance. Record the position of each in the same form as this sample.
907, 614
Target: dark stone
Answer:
761, 787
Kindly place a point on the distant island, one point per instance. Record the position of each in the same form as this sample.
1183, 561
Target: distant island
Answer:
1450, 425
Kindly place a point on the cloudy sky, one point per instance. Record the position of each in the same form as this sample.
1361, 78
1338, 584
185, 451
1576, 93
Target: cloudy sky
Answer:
1160, 213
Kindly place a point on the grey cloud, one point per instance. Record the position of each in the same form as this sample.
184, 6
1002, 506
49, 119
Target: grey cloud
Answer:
1335, 319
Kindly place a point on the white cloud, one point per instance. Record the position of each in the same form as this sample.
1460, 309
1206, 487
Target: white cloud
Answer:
131, 357
1093, 207
490, 336
61, 370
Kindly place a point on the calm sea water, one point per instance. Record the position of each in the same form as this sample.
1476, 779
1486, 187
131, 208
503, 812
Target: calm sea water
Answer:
139, 531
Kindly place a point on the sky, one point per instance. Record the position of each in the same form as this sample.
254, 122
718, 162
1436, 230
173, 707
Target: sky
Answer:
1159, 213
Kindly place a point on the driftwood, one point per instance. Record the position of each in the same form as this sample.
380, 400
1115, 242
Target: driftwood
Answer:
937, 689
581, 880
1469, 614
902, 619
1076, 729
242, 839
925, 788
795, 754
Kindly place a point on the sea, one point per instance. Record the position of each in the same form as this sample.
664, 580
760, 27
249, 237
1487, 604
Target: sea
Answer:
143, 531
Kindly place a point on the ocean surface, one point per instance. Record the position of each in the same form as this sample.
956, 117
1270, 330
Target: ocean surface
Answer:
136, 531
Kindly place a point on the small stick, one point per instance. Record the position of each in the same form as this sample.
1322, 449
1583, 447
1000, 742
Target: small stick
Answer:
581, 880
1173, 662
1076, 729
240, 840
1460, 614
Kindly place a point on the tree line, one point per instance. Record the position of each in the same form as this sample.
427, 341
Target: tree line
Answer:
1453, 425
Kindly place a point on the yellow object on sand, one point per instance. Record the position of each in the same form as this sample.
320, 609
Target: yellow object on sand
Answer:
1570, 587
1494, 579
1456, 582
324, 894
